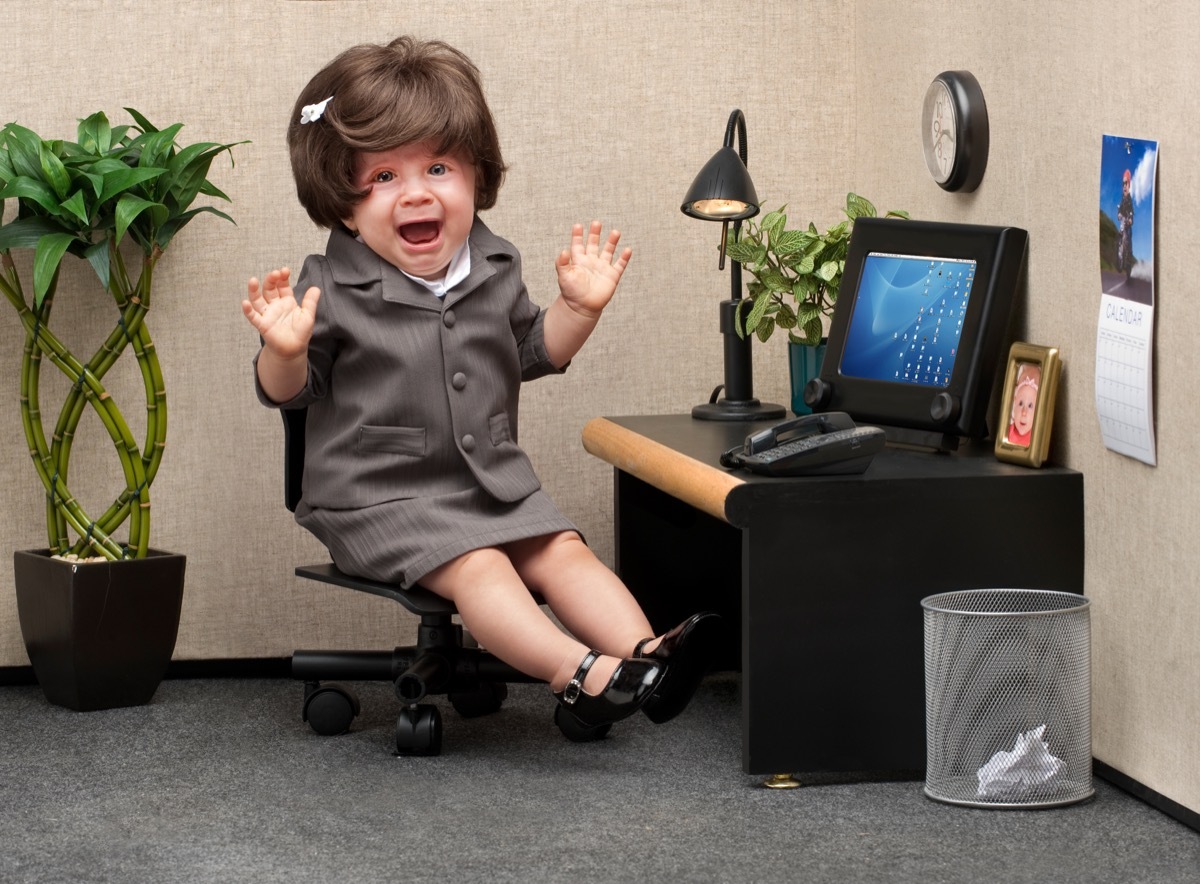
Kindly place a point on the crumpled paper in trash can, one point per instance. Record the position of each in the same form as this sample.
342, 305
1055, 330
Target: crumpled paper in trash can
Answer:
1012, 774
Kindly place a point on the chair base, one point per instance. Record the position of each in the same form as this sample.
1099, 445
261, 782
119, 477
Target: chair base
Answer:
439, 664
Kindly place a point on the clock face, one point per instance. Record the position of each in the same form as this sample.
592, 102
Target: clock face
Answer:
954, 131
940, 123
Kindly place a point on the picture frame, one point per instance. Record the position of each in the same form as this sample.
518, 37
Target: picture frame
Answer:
1027, 406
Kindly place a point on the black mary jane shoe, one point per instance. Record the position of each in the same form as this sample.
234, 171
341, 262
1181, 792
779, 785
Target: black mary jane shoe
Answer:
631, 685
686, 651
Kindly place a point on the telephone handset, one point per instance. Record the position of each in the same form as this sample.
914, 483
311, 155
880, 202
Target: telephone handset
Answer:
828, 443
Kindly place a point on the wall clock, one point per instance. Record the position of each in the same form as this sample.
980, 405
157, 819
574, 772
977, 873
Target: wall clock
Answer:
954, 131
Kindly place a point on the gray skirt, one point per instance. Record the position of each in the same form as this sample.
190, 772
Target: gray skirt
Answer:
403, 540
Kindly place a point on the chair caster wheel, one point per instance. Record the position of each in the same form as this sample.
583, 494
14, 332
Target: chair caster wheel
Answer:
329, 709
484, 700
576, 731
419, 731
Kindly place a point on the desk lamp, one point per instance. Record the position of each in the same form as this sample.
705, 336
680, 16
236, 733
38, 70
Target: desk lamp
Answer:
724, 192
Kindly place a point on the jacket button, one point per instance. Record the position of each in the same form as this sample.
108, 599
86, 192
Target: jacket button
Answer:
468, 442
459, 381
448, 319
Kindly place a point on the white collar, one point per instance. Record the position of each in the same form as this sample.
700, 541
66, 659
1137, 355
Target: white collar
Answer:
456, 271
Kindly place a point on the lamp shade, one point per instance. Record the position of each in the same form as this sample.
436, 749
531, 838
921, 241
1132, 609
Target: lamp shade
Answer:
723, 190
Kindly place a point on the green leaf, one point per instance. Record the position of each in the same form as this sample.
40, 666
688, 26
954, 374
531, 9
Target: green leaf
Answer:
54, 172
805, 287
858, 207
742, 252
34, 190
143, 123
774, 281
188, 171
827, 271
46, 260
95, 134
156, 147
76, 205
97, 255
210, 189
124, 179
804, 266
25, 233
172, 226
24, 149
812, 331
738, 324
756, 312
789, 242
773, 225
786, 317
806, 313
765, 328
128, 209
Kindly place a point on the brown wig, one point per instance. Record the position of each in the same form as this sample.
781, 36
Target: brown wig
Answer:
383, 97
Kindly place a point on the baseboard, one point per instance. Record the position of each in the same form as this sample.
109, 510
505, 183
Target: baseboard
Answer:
16, 675
1157, 800
245, 667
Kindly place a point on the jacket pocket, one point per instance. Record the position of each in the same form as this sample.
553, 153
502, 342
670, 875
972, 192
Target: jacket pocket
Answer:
498, 428
392, 440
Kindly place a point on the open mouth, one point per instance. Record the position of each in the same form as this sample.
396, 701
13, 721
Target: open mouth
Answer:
420, 233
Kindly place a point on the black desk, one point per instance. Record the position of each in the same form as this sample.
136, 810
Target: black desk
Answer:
820, 579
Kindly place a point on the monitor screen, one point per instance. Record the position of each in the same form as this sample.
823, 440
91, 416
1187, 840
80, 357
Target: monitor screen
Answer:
921, 327
908, 318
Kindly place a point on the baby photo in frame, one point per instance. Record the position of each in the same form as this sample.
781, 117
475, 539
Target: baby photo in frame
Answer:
1027, 406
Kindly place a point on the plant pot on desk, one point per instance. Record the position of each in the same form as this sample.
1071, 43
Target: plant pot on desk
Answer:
804, 364
99, 634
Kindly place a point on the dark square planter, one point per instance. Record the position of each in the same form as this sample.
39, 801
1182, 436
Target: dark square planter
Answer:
99, 635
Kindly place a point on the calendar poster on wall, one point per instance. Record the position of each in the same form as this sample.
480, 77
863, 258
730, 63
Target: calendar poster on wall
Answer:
1125, 330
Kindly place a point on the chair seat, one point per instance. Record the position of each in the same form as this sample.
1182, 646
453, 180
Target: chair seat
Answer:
417, 599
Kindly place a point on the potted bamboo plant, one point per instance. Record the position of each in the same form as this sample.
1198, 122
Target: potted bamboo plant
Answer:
795, 279
99, 607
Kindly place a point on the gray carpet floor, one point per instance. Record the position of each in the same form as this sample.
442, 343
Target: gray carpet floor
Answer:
219, 780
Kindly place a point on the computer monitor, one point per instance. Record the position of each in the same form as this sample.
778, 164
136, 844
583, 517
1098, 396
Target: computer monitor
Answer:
922, 324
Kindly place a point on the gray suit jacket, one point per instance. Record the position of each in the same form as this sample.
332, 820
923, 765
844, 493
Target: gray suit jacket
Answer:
409, 395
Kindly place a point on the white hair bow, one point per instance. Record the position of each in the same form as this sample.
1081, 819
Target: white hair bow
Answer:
310, 113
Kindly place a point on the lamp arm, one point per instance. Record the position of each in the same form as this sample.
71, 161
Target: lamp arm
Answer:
737, 120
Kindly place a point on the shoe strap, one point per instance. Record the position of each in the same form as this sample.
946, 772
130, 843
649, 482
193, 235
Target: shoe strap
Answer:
575, 686
637, 649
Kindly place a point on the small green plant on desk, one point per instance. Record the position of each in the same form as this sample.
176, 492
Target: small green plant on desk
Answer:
796, 273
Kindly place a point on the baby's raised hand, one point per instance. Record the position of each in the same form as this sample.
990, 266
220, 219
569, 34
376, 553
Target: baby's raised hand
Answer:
588, 274
284, 325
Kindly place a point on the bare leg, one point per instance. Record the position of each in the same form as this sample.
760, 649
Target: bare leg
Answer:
588, 598
595, 605
497, 608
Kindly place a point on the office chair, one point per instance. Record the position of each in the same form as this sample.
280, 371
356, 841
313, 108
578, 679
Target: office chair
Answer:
442, 662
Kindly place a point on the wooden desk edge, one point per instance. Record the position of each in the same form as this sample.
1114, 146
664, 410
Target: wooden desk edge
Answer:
695, 483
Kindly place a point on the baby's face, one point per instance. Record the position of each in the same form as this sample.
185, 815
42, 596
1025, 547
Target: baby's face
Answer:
420, 207
1024, 404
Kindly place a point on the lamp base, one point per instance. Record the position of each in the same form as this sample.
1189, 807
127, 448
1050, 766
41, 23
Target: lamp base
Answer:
738, 410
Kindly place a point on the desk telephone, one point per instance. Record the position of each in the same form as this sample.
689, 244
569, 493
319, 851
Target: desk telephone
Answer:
825, 444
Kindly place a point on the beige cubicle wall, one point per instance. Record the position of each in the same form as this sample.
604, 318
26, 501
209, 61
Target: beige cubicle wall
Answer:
609, 113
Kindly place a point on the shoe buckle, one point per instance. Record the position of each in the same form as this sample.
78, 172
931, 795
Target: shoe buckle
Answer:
572, 691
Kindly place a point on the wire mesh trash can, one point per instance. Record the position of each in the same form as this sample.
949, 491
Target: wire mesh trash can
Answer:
1008, 702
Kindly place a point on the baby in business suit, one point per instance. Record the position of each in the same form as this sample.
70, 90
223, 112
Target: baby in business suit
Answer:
408, 347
